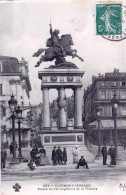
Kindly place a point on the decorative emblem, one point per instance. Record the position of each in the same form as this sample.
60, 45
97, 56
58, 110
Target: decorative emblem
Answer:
16, 187
70, 78
62, 103
53, 79
47, 139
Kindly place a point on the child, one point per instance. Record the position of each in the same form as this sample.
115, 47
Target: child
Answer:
31, 165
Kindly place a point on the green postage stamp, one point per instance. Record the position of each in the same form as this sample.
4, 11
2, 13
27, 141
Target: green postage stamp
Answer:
109, 19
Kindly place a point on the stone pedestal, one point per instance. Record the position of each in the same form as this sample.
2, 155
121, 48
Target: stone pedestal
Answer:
64, 135
66, 139
54, 125
70, 124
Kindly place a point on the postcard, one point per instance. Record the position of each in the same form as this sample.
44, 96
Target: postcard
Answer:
63, 97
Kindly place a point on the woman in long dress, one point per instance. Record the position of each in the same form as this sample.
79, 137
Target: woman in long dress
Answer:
43, 158
75, 155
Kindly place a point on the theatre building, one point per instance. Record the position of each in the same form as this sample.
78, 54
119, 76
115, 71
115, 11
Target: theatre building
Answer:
100, 92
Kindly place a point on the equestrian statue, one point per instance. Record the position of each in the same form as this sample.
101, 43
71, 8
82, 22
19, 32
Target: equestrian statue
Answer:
58, 49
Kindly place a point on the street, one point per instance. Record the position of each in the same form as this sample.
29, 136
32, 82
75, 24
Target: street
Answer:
65, 178
66, 172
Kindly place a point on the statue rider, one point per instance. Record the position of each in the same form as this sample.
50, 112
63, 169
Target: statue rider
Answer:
55, 39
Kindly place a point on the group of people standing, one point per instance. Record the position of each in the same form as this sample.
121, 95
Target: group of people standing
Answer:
111, 152
59, 156
39, 158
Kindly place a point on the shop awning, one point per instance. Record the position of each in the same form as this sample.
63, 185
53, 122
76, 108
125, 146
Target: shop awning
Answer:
108, 124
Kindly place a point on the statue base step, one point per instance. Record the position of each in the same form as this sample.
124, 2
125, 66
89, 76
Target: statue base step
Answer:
66, 139
89, 157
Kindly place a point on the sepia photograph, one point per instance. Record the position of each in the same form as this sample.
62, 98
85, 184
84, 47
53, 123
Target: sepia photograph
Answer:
63, 97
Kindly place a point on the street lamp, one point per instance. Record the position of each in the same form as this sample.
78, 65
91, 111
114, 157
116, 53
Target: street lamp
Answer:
19, 117
12, 105
98, 110
115, 104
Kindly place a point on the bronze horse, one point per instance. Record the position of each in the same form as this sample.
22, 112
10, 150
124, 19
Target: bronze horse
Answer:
54, 52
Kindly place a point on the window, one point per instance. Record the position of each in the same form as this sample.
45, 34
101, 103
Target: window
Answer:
123, 94
106, 111
1, 91
4, 111
111, 94
102, 95
114, 84
123, 110
102, 84
123, 84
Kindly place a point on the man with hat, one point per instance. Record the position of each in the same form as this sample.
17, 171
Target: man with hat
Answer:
104, 154
3, 158
59, 155
54, 156
82, 162
112, 153
64, 156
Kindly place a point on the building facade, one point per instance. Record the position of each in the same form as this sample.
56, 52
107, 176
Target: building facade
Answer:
14, 79
100, 92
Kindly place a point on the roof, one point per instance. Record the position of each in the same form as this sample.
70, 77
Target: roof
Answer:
9, 64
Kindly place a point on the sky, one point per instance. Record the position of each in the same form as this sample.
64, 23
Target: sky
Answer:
24, 29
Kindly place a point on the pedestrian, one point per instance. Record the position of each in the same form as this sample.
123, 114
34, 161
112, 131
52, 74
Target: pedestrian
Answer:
11, 148
124, 144
64, 156
59, 155
104, 154
31, 165
75, 155
82, 162
112, 153
3, 158
33, 153
43, 159
54, 156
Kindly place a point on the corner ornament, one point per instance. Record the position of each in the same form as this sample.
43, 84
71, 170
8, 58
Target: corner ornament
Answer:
17, 187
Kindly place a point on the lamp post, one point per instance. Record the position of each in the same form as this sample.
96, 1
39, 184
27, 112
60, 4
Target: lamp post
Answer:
19, 117
12, 105
98, 110
115, 104
30, 117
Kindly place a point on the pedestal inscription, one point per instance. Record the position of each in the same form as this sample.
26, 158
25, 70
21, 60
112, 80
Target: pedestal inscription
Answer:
70, 138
